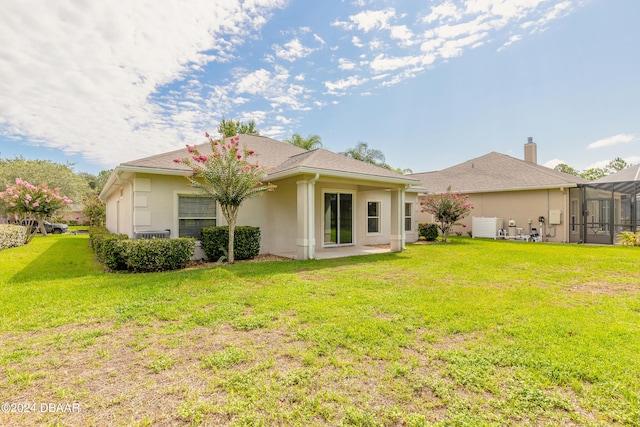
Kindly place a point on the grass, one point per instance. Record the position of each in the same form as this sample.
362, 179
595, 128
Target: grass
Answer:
467, 333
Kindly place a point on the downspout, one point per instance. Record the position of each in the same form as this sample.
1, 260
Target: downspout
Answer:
311, 223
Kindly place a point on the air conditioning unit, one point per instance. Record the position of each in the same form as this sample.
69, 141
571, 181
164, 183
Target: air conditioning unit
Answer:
485, 227
152, 234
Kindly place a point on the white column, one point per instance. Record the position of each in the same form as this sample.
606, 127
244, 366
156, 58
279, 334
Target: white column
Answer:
311, 196
302, 234
397, 220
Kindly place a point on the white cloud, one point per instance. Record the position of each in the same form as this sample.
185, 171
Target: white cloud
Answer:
553, 163
612, 140
338, 87
86, 80
346, 64
372, 19
292, 50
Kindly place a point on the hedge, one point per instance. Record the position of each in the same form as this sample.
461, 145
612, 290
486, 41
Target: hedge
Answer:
157, 254
118, 252
12, 236
428, 230
215, 242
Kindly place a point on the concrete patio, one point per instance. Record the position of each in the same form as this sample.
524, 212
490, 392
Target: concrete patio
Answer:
343, 251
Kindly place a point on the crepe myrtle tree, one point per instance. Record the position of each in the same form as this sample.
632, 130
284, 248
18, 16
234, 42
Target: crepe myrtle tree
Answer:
447, 209
228, 176
31, 204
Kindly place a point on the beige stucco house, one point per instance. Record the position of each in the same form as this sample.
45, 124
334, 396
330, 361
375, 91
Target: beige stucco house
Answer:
506, 188
323, 202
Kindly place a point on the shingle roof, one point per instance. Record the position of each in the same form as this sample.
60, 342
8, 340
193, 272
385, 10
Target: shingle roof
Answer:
629, 174
269, 153
279, 157
494, 172
320, 159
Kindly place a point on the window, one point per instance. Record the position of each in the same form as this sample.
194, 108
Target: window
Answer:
373, 217
408, 216
194, 213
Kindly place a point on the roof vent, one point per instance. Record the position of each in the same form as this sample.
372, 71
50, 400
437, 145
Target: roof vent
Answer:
531, 151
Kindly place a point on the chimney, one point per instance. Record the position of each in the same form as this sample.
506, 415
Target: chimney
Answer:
531, 151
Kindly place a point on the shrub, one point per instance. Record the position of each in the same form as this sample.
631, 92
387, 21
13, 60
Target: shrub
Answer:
157, 254
428, 231
215, 241
118, 252
628, 238
12, 236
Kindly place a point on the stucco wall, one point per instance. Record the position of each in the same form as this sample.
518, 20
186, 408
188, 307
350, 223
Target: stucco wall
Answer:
521, 206
118, 210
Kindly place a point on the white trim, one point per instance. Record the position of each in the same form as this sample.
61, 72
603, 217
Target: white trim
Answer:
404, 217
379, 216
341, 174
175, 231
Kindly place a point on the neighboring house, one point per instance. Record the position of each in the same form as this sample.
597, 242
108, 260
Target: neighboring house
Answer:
323, 201
504, 187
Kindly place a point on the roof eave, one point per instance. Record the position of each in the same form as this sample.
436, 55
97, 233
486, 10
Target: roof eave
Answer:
538, 187
119, 170
341, 174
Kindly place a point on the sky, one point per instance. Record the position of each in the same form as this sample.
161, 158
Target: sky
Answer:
430, 83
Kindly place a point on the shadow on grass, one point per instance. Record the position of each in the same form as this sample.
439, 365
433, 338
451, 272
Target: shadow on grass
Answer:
256, 269
67, 258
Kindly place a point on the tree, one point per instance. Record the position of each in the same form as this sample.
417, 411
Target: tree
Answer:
95, 210
32, 204
363, 153
447, 209
227, 176
617, 165
96, 182
55, 175
563, 167
593, 173
229, 128
311, 142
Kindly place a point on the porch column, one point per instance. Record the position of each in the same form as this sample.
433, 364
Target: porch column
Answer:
302, 235
397, 219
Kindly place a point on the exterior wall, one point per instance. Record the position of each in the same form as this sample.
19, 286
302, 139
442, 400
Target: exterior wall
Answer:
412, 235
118, 210
521, 206
149, 202
276, 215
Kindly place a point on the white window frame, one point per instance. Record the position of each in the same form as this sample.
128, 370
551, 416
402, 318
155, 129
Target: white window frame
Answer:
378, 217
177, 197
409, 217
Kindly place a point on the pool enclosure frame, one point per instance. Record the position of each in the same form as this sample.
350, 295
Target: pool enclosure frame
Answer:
601, 210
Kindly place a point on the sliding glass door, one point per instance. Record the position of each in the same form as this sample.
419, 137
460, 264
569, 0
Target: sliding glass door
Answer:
338, 219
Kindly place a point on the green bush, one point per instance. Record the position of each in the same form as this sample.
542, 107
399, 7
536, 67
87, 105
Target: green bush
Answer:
215, 241
110, 251
12, 236
428, 231
118, 252
627, 238
157, 254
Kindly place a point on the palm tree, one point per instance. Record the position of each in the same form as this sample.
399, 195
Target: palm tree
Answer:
312, 141
368, 155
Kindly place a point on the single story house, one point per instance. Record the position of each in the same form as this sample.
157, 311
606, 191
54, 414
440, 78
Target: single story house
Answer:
504, 188
323, 201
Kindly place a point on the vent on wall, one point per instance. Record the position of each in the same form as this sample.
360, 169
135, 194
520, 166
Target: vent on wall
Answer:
150, 234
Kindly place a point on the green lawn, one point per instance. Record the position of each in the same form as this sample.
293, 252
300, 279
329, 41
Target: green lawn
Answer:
467, 333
